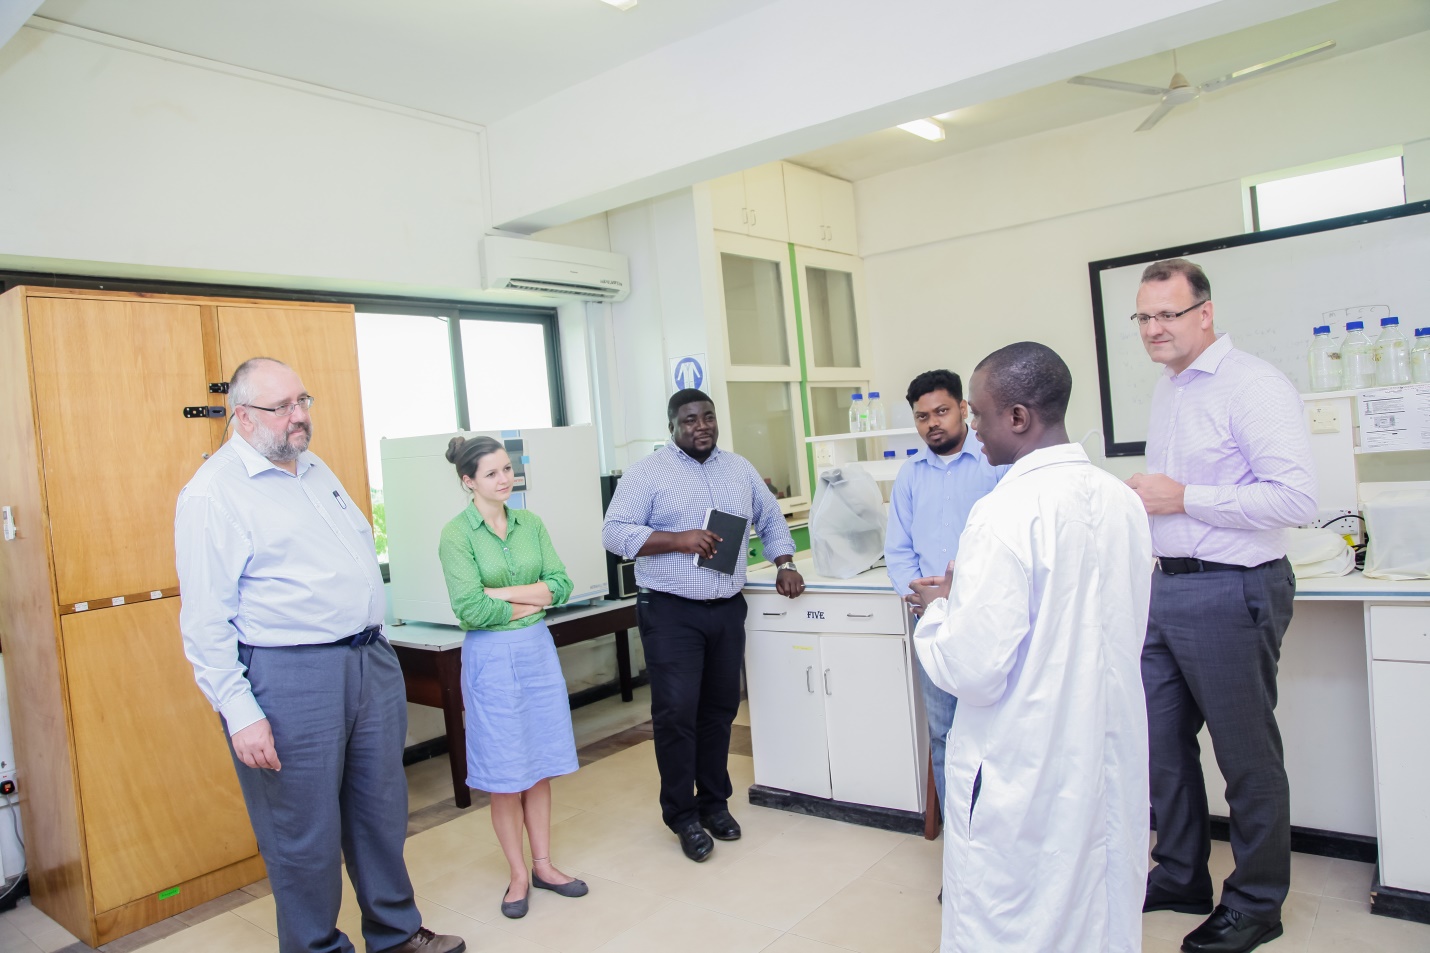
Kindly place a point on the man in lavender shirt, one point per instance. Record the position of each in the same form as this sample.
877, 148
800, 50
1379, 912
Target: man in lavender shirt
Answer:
1229, 468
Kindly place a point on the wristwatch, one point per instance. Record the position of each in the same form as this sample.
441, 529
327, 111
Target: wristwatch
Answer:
788, 565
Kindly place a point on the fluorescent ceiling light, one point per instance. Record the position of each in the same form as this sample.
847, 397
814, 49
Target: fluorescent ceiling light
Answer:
621, 4
930, 129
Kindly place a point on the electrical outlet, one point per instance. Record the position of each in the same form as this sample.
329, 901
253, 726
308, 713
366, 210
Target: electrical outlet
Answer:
1344, 522
1324, 418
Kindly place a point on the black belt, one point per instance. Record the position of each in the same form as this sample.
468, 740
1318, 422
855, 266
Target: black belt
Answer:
366, 637
1178, 565
703, 602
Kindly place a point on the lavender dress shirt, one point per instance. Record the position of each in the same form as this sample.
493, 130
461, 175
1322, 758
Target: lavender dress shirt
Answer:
1232, 429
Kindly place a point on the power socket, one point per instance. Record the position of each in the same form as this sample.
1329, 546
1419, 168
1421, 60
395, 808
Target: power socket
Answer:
1325, 418
1342, 522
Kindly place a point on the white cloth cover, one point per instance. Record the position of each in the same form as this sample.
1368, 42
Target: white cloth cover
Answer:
1397, 527
847, 523
1318, 552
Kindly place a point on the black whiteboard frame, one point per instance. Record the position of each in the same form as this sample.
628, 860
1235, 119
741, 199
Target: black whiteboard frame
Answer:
1137, 448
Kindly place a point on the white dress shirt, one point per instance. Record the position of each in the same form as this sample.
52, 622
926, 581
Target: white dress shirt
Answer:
267, 558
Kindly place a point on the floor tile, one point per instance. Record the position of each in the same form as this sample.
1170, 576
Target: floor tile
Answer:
225, 933
610, 715
791, 943
773, 890
871, 916
585, 923
1351, 920
1309, 873
699, 931
1349, 880
915, 862
428, 782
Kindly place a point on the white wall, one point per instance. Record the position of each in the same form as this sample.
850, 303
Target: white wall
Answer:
133, 156
978, 250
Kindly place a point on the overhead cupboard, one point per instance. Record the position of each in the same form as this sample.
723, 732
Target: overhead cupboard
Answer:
109, 402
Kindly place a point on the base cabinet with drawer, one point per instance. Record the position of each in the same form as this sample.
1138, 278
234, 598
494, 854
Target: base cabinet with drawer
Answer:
834, 711
1400, 684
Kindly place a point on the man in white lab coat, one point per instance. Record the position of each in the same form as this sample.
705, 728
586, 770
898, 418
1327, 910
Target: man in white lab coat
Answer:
1038, 631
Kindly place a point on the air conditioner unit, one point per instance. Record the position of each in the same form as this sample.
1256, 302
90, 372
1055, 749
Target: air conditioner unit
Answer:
557, 271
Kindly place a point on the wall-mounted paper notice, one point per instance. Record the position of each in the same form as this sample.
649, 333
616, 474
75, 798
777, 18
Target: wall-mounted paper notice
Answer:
1395, 418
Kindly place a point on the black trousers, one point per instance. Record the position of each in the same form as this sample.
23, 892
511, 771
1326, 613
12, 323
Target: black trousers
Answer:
693, 654
1211, 655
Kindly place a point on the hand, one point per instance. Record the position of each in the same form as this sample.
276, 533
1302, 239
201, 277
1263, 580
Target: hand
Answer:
789, 583
929, 589
1160, 494
698, 542
520, 610
254, 745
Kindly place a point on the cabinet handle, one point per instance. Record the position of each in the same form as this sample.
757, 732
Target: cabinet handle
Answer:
831, 233
745, 216
752, 216
860, 615
809, 678
773, 615
826, 683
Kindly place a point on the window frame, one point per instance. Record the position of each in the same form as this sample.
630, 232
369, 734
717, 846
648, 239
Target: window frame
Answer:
1251, 211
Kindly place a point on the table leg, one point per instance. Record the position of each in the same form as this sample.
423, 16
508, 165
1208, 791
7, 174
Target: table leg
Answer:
449, 673
623, 664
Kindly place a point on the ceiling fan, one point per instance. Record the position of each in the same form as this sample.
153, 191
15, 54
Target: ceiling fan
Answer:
1180, 91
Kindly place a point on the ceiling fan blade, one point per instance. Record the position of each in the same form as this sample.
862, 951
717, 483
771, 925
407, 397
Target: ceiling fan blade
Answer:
1270, 66
1118, 85
1156, 116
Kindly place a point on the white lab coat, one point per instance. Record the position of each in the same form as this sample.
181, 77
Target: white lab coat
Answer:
1041, 642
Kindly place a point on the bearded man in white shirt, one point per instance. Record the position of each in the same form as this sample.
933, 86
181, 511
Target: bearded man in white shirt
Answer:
1038, 631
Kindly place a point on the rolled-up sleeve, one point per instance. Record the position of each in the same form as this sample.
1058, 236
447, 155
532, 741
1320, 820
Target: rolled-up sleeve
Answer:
211, 551
1269, 426
553, 570
472, 606
626, 527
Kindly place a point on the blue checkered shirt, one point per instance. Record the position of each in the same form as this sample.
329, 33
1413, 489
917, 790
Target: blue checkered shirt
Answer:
670, 492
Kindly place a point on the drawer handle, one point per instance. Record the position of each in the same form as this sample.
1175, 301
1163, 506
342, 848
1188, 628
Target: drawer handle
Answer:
826, 683
809, 678
773, 615
860, 615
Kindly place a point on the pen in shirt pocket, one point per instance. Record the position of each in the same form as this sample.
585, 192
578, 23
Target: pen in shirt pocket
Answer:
339, 497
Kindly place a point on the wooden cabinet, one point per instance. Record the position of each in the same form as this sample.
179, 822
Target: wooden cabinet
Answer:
751, 203
832, 710
131, 808
820, 210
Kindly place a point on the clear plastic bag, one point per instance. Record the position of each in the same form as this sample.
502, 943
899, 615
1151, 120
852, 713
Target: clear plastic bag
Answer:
1397, 526
846, 523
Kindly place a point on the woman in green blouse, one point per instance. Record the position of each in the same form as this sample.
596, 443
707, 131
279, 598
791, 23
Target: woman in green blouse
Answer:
502, 573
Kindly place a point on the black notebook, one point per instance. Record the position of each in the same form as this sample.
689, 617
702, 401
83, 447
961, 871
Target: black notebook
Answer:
731, 530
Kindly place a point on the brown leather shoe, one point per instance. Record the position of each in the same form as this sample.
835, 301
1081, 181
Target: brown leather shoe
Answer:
425, 941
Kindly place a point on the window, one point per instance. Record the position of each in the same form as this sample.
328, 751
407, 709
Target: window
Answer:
1327, 193
504, 367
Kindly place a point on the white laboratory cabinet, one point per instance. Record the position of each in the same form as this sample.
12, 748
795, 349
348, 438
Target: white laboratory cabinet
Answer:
1400, 684
835, 712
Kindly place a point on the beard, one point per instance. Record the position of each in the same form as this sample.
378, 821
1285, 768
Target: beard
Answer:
950, 441
280, 449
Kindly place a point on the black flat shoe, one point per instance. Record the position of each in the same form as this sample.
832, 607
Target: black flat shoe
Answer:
1228, 931
514, 909
1162, 900
694, 841
721, 826
574, 888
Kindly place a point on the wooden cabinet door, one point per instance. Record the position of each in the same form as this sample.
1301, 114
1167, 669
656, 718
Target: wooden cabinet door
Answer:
803, 199
836, 198
112, 378
321, 346
870, 721
161, 799
787, 711
765, 195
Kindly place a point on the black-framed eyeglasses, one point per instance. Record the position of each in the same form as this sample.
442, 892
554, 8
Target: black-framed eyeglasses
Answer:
286, 410
1164, 317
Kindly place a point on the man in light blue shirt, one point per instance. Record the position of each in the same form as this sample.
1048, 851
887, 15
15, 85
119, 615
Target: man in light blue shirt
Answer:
932, 496
281, 614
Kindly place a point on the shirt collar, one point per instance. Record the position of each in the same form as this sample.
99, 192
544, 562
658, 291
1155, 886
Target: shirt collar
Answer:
972, 447
1209, 360
255, 462
714, 452
1047, 457
476, 521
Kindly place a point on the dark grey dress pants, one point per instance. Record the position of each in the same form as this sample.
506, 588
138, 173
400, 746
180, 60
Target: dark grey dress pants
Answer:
1212, 650
339, 718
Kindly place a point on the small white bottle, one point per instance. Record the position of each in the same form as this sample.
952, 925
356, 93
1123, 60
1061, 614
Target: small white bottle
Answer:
1357, 358
1420, 357
1392, 355
1325, 360
877, 420
858, 415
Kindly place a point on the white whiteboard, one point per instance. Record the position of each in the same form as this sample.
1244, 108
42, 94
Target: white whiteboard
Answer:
1270, 289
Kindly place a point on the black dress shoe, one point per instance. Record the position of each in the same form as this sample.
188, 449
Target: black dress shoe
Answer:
721, 826
1162, 900
694, 841
1229, 931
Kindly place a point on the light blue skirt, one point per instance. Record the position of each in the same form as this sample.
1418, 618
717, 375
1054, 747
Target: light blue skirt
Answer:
518, 716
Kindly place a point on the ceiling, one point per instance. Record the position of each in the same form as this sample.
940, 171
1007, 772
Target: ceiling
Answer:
478, 60
1353, 24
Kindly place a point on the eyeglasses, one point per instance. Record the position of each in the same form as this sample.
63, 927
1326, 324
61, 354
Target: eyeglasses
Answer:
286, 410
1164, 317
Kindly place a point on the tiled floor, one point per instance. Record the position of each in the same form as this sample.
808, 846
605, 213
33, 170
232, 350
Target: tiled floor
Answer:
792, 885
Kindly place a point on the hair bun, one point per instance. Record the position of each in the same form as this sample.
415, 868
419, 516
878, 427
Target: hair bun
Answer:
454, 447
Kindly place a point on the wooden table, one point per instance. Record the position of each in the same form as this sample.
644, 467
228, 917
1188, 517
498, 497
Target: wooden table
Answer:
431, 658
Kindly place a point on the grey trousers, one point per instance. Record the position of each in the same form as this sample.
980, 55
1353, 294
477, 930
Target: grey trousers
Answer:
1211, 655
339, 719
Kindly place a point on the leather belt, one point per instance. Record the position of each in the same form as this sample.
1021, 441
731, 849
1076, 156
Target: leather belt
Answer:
1178, 565
366, 637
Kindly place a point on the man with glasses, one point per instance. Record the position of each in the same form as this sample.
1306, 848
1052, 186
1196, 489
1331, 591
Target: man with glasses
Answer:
281, 615
1229, 468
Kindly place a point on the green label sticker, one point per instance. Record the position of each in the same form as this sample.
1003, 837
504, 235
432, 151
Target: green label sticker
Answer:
166, 894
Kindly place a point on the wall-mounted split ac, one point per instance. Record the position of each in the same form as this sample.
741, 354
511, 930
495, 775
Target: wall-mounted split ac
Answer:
556, 271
